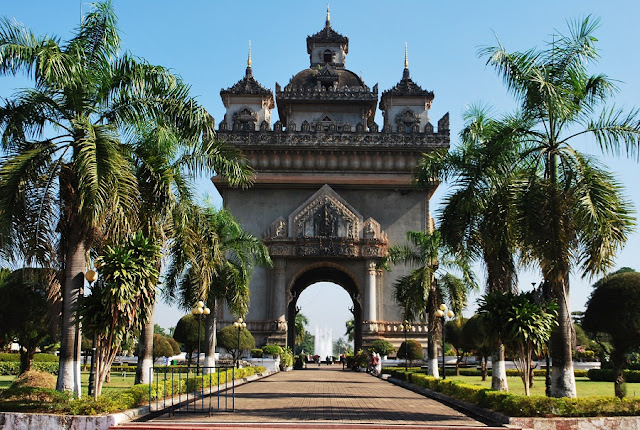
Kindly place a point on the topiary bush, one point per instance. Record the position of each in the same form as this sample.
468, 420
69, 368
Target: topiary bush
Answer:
272, 349
414, 350
35, 379
382, 347
256, 353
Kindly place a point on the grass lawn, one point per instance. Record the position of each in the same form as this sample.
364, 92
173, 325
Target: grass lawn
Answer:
584, 386
118, 381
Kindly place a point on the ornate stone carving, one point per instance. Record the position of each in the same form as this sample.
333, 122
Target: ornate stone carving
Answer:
325, 214
245, 120
443, 124
277, 229
428, 128
406, 119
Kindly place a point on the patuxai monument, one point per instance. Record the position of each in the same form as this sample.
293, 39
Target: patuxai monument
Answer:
333, 187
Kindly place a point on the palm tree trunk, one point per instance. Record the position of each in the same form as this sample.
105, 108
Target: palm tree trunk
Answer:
563, 383
145, 351
75, 264
210, 340
499, 370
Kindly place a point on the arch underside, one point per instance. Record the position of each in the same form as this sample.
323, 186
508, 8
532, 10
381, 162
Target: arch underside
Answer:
325, 274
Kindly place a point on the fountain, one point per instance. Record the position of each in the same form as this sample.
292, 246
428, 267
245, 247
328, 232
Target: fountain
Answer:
323, 345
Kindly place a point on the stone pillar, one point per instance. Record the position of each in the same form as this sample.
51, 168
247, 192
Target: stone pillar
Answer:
279, 298
371, 293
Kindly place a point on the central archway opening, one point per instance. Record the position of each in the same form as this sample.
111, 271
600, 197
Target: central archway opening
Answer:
326, 307
326, 282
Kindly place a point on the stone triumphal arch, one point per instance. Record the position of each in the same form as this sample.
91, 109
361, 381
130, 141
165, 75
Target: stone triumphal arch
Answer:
333, 189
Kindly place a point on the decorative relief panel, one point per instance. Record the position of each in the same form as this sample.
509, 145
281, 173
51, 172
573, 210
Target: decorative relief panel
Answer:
325, 214
326, 226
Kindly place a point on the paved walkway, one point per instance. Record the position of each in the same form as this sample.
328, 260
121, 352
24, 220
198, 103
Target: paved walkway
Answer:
329, 395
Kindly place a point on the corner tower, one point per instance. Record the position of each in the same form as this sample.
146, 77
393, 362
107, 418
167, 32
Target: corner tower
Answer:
248, 103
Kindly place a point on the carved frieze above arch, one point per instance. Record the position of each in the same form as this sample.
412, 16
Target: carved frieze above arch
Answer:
326, 226
325, 214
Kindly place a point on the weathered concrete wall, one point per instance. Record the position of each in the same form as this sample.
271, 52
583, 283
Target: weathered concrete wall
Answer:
24, 421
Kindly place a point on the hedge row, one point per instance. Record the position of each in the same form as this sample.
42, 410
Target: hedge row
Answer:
607, 375
41, 399
511, 372
40, 357
13, 368
522, 406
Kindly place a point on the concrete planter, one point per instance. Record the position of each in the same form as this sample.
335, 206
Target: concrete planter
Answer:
25, 421
581, 423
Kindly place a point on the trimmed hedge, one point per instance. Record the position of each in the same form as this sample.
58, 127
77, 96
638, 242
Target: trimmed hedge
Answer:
41, 399
511, 372
39, 357
522, 406
13, 368
606, 375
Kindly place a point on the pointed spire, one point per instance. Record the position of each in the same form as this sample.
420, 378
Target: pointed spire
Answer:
249, 71
328, 23
405, 73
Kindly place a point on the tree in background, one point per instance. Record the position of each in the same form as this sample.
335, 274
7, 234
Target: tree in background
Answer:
411, 351
476, 333
430, 283
522, 324
350, 329
341, 346
117, 308
571, 210
382, 347
613, 309
27, 313
213, 260
454, 334
228, 339
161, 347
159, 330
478, 216
186, 333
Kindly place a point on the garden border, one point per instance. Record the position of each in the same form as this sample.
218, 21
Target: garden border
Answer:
25, 420
524, 423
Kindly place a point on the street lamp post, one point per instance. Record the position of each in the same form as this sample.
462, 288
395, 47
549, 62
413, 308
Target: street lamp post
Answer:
444, 314
91, 276
198, 310
239, 325
406, 326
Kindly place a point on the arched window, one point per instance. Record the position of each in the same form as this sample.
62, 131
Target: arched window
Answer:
328, 56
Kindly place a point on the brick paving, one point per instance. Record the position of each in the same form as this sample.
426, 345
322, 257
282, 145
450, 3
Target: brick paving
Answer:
330, 395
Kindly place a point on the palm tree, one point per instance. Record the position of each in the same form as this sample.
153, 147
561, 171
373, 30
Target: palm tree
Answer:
427, 286
478, 215
572, 210
301, 327
163, 172
212, 260
67, 166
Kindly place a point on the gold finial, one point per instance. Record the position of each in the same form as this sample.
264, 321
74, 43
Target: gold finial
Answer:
406, 56
249, 58
328, 15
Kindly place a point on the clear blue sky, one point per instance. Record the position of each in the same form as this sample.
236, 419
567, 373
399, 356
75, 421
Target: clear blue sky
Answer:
206, 43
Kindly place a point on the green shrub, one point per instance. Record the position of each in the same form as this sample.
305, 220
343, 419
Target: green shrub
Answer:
256, 353
382, 347
607, 375
35, 379
522, 406
272, 349
286, 358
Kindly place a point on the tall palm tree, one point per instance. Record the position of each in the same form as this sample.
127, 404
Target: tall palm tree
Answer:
572, 210
478, 214
421, 292
212, 261
164, 165
67, 166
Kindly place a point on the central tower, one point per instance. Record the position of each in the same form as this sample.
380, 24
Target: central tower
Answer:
332, 190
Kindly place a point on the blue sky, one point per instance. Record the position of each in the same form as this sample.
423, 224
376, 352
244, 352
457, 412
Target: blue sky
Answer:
206, 43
